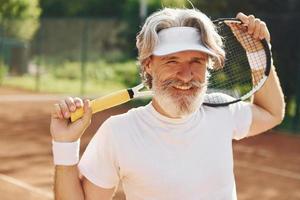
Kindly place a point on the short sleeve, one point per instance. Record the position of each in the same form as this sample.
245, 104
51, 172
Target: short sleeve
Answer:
242, 119
98, 163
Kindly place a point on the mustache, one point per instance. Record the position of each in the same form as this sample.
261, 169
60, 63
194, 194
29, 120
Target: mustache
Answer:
173, 82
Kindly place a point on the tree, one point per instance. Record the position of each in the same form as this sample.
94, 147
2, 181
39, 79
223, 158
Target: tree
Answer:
19, 18
76, 8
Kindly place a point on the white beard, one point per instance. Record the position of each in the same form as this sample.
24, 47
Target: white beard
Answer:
178, 105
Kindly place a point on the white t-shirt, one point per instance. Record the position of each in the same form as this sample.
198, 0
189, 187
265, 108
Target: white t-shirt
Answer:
159, 158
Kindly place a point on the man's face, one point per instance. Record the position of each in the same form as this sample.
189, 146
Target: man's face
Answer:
179, 81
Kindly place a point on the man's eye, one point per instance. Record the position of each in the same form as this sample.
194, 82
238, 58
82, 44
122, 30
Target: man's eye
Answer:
171, 62
197, 61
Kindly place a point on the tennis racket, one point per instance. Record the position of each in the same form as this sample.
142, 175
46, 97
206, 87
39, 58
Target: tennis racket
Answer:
247, 66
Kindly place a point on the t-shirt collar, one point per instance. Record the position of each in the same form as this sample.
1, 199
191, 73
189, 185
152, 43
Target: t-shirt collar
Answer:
164, 118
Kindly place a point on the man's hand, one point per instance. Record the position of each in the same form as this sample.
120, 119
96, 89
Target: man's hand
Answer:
250, 28
257, 28
62, 130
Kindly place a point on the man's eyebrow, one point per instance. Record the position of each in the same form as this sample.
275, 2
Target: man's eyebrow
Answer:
169, 58
198, 58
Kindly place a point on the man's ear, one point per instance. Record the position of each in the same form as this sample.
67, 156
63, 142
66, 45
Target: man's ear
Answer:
148, 66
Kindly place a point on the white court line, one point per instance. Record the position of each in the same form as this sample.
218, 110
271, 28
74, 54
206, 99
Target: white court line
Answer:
26, 186
260, 152
268, 169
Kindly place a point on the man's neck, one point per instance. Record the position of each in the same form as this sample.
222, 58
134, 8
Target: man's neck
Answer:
161, 111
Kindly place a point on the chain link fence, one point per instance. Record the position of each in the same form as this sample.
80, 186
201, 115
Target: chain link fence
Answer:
79, 49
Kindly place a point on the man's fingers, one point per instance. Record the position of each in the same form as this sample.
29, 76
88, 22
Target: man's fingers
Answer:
87, 107
244, 18
248, 21
87, 111
64, 109
56, 113
264, 33
257, 28
78, 102
251, 24
71, 104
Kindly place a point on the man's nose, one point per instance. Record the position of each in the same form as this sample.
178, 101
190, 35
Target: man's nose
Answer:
185, 73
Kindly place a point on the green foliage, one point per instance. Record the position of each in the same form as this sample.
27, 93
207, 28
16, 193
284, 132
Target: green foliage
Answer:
78, 8
3, 72
101, 77
101, 8
67, 70
125, 73
173, 3
229, 8
50, 84
19, 18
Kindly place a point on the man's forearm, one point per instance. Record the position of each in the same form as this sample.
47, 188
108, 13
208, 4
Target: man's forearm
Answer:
270, 97
67, 184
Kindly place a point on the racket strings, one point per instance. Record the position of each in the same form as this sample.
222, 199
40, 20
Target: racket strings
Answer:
232, 72
244, 67
255, 53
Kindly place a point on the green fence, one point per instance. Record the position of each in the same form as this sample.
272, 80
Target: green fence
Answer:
78, 50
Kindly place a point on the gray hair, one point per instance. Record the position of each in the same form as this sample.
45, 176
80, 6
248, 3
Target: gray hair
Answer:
147, 38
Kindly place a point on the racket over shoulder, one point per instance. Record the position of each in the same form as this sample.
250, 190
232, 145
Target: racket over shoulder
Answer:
247, 65
111, 100
105, 102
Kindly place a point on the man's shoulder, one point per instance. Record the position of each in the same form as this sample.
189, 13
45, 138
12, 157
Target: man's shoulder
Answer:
122, 127
222, 98
126, 118
217, 98
227, 113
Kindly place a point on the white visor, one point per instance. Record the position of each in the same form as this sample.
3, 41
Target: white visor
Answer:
177, 39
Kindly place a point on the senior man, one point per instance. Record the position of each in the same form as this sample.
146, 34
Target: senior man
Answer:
174, 147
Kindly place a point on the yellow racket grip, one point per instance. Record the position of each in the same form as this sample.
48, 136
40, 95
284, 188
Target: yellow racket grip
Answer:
103, 103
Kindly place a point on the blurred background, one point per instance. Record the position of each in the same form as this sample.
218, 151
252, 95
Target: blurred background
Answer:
53, 48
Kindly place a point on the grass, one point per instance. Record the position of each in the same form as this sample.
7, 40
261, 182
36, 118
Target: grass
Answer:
65, 78
50, 84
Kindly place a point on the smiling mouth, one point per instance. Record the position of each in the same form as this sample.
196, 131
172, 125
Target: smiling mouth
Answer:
180, 87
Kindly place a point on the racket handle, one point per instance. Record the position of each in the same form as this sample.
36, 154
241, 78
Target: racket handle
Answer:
103, 103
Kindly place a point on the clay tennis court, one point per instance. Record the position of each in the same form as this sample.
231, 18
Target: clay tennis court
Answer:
266, 166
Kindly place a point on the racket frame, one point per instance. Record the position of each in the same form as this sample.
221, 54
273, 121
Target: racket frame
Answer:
136, 92
267, 51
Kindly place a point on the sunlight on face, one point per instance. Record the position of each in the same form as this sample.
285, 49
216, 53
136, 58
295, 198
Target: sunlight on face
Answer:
179, 81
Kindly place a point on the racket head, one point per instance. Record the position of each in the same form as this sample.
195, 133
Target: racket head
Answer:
247, 65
